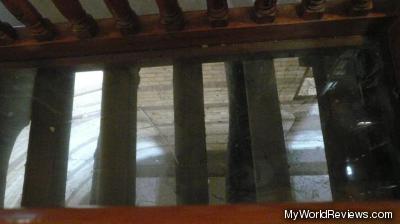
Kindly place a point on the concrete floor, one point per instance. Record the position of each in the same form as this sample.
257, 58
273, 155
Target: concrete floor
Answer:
155, 155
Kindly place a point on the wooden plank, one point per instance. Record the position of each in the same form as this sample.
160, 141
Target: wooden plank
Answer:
240, 180
190, 136
15, 99
116, 169
233, 214
47, 160
197, 35
236, 51
266, 131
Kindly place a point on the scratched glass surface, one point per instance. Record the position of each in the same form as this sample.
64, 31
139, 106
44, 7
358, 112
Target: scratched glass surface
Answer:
336, 139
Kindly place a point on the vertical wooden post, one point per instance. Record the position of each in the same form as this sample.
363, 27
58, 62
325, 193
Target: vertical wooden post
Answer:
217, 12
240, 182
126, 18
171, 15
83, 24
116, 170
190, 138
264, 11
47, 160
267, 137
311, 9
361, 7
15, 99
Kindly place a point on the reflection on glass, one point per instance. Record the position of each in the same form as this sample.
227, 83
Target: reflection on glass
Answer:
310, 128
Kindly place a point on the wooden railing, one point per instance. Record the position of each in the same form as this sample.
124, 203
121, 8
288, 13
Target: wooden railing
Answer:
145, 38
181, 39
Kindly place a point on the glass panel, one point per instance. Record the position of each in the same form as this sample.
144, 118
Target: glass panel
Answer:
318, 126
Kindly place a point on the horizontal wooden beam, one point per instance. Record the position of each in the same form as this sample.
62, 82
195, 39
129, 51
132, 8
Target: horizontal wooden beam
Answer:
241, 51
234, 214
154, 40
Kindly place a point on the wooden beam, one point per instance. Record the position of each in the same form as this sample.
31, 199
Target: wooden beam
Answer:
197, 36
126, 19
264, 11
40, 28
229, 214
240, 180
15, 99
7, 34
116, 171
171, 15
47, 160
242, 51
218, 11
266, 131
312, 9
83, 24
190, 136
